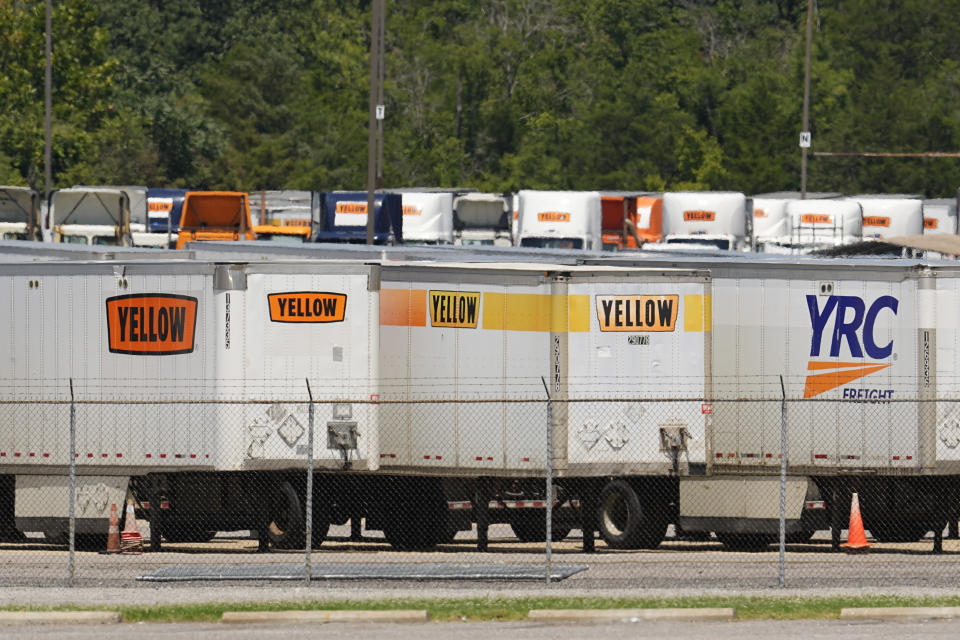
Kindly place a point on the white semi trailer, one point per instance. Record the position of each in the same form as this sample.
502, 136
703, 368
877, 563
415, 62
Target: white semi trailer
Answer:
19, 214
381, 341
716, 219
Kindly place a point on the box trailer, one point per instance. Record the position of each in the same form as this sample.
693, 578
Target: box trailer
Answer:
156, 352
940, 216
560, 219
887, 215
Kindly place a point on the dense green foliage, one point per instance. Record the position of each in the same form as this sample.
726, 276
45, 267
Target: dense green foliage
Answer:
494, 94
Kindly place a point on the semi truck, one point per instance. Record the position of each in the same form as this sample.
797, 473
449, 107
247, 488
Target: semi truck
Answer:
715, 219
19, 214
560, 219
344, 218
631, 219
90, 215
215, 215
427, 216
820, 224
481, 219
771, 225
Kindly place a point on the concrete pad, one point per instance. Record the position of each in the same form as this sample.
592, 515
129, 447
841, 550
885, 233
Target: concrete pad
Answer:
59, 617
398, 615
631, 615
898, 613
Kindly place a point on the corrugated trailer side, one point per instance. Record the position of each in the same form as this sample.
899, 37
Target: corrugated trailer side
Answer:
190, 379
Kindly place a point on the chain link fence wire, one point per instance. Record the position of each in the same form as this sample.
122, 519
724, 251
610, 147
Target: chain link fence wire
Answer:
673, 493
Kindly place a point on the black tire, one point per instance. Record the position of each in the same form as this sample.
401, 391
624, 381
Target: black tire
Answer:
533, 528
627, 523
320, 526
414, 515
287, 529
746, 541
897, 531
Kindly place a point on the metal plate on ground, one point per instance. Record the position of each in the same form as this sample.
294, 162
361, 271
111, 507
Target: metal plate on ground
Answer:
378, 571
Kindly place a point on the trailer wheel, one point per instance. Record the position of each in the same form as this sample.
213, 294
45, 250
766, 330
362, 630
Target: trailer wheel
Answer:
627, 523
533, 528
286, 529
414, 515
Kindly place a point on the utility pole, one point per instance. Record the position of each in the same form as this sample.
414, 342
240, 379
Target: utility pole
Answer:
805, 131
48, 107
372, 124
381, 38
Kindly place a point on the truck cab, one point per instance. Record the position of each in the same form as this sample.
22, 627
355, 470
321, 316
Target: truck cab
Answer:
215, 215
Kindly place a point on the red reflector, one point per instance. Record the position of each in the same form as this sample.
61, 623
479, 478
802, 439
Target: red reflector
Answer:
46, 455
719, 455
119, 455
769, 455
439, 457
426, 457
480, 458
526, 459
163, 455
820, 456
89, 455
178, 455
909, 457
103, 455
33, 455
193, 455
149, 455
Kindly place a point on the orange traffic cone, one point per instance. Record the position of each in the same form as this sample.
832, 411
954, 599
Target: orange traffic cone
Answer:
130, 539
113, 533
856, 537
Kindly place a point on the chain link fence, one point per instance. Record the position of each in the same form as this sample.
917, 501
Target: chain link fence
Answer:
669, 493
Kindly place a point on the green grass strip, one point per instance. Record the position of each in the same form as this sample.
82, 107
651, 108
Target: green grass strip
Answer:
510, 608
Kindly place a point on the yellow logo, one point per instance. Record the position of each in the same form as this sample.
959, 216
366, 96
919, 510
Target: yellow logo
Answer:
454, 309
637, 313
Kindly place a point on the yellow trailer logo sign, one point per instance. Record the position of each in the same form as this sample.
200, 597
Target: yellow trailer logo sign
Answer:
151, 324
454, 309
307, 306
638, 313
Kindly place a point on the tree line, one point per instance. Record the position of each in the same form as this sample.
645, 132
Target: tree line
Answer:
493, 94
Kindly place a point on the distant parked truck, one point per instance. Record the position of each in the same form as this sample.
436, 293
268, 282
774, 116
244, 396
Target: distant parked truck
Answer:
818, 224
705, 218
344, 218
560, 219
939, 216
427, 216
888, 216
19, 214
631, 219
215, 215
483, 219
164, 208
284, 216
90, 215
771, 227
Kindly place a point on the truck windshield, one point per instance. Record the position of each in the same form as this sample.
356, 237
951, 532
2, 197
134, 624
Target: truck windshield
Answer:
553, 243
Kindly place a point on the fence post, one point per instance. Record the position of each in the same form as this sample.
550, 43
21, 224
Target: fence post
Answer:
549, 487
781, 573
71, 556
309, 506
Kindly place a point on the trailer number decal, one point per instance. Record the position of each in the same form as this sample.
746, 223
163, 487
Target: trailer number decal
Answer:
632, 313
454, 309
699, 216
307, 306
151, 324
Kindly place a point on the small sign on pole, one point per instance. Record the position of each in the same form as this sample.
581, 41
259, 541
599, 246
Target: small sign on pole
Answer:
805, 139
381, 109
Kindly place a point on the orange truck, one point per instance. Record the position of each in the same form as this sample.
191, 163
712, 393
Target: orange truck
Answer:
631, 219
215, 215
